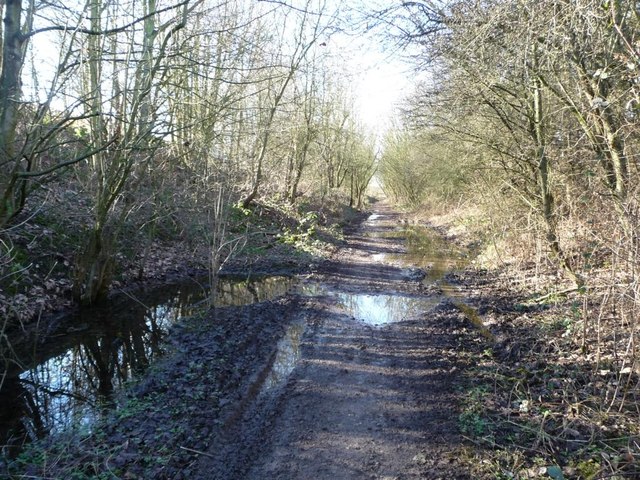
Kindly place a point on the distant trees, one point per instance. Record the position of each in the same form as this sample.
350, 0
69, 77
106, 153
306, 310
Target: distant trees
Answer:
291, 54
403, 168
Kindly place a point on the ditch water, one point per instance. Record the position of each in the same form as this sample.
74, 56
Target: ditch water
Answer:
65, 382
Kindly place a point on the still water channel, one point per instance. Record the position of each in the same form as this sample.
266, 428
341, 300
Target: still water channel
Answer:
65, 381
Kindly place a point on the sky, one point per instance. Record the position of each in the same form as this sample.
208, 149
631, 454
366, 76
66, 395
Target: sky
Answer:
379, 92
379, 75
378, 81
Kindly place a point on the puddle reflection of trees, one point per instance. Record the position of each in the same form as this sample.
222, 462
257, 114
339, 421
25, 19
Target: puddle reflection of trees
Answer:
56, 384
287, 356
66, 383
425, 246
382, 309
237, 293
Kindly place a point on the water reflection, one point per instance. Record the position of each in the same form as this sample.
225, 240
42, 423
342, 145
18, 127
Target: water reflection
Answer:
237, 293
381, 309
374, 308
430, 251
287, 356
62, 382
426, 248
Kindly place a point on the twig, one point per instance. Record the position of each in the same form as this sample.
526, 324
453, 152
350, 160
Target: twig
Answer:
38, 477
559, 292
197, 451
134, 298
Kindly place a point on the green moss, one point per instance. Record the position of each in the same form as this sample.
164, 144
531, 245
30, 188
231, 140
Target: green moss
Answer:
588, 469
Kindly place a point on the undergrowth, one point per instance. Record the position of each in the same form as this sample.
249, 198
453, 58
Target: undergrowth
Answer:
541, 405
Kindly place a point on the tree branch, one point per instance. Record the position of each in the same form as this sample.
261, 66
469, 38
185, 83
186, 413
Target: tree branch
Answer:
89, 31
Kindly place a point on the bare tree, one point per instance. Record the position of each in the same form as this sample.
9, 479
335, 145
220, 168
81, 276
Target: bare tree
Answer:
123, 141
310, 27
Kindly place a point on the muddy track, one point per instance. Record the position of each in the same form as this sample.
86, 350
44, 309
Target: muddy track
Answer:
362, 401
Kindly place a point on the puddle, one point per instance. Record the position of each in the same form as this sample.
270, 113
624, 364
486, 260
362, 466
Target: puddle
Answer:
382, 309
428, 250
374, 309
238, 293
287, 357
63, 382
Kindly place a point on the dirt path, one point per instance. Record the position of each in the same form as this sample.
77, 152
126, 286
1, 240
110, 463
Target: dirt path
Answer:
362, 401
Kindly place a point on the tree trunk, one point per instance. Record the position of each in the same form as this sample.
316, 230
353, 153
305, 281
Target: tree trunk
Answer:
542, 173
13, 187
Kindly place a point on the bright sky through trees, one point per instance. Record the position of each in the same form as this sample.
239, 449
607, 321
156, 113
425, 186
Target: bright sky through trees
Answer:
379, 91
377, 80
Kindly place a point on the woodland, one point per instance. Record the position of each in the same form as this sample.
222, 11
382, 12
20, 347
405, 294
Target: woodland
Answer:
523, 136
140, 135
145, 120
